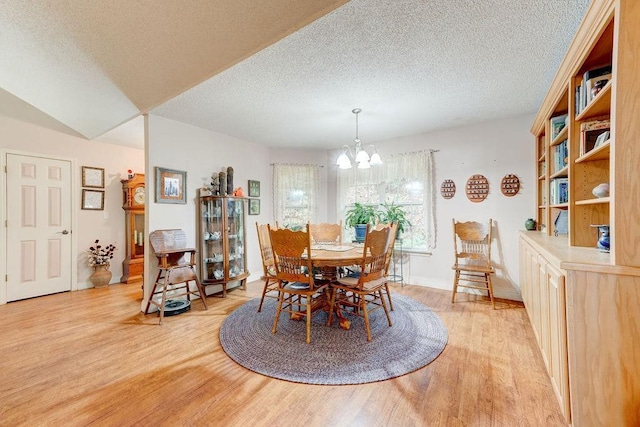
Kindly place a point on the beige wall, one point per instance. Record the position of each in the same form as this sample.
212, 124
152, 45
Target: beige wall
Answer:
107, 225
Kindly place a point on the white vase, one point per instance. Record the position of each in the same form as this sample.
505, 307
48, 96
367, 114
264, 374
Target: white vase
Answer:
601, 190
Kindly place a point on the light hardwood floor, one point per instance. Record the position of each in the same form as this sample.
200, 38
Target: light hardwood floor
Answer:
91, 358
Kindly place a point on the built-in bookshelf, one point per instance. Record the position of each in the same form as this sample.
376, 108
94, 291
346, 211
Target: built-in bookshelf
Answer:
582, 302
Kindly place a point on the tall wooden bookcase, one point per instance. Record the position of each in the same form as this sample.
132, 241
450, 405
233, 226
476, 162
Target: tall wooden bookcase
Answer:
583, 303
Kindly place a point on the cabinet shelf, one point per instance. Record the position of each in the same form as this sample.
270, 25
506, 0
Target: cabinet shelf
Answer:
601, 104
561, 173
560, 137
600, 153
560, 206
593, 201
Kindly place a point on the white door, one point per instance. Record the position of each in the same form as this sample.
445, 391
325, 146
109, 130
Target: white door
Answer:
38, 226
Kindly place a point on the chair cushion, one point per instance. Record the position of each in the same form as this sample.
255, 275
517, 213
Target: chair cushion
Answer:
297, 285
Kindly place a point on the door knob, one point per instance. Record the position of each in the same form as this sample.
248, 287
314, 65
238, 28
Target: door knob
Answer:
64, 232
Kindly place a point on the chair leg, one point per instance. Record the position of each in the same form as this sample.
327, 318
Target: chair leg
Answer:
309, 303
384, 307
490, 289
455, 286
200, 288
275, 321
164, 295
264, 292
386, 287
363, 307
153, 291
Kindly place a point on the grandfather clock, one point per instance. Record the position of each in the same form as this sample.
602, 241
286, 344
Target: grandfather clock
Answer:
133, 197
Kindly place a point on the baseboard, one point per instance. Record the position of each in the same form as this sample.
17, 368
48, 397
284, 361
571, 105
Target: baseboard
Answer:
507, 293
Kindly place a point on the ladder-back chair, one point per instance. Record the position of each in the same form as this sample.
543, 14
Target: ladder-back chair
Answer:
472, 245
299, 294
326, 233
268, 264
175, 270
365, 292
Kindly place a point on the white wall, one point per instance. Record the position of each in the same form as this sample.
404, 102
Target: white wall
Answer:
200, 152
493, 149
107, 225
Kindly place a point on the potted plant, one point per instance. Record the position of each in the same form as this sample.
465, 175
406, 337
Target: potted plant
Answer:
99, 257
358, 217
396, 214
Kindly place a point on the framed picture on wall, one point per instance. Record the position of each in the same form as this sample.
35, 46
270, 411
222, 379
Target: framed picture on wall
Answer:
92, 200
171, 186
92, 177
254, 188
254, 206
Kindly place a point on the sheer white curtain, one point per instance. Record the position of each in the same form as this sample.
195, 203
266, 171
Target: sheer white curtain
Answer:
378, 184
295, 193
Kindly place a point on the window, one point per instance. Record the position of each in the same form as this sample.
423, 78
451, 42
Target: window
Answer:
295, 194
407, 181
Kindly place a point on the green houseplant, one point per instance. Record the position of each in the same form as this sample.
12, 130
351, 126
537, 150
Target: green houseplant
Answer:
359, 216
396, 214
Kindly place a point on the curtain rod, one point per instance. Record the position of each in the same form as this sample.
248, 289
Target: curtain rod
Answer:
296, 164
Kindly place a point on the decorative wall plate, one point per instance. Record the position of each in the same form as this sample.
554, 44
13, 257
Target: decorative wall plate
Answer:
477, 188
448, 188
510, 185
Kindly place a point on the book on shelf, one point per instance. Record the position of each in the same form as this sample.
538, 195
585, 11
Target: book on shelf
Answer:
560, 156
585, 92
557, 124
559, 191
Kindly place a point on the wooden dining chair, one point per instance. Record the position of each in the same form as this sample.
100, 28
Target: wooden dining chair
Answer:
268, 264
326, 234
393, 231
365, 292
176, 269
472, 246
299, 294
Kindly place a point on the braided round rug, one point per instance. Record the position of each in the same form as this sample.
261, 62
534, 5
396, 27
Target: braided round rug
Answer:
335, 356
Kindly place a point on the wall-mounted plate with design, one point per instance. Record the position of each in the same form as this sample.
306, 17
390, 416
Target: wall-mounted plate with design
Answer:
477, 188
448, 188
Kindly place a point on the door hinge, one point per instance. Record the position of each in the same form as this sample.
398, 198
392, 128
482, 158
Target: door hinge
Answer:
6, 277
5, 169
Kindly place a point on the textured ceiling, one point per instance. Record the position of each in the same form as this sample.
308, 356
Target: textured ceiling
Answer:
412, 66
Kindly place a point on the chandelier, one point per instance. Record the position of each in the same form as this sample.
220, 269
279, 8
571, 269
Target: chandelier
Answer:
359, 154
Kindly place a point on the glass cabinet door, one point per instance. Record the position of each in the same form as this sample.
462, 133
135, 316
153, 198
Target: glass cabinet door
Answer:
235, 226
137, 229
212, 233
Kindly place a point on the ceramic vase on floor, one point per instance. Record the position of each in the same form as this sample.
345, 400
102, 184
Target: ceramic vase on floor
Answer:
101, 275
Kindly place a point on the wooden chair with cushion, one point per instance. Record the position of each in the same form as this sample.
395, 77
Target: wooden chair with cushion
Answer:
326, 233
472, 245
365, 292
175, 270
268, 264
299, 294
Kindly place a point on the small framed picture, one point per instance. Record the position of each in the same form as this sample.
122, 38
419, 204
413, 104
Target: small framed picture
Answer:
92, 177
254, 206
602, 138
254, 188
171, 186
92, 200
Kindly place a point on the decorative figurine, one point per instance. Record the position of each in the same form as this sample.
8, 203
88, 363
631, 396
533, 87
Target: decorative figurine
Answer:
238, 192
229, 180
215, 184
223, 183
